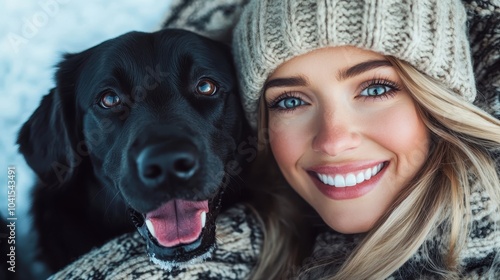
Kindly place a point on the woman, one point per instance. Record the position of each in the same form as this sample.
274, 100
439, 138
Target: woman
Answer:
365, 109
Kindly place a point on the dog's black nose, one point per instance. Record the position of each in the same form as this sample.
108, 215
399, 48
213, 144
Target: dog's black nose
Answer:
159, 163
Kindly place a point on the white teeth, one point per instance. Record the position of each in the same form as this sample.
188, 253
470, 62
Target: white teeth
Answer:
151, 229
331, 181
350, 179
339, 181
360, 177
203, 216
368, 174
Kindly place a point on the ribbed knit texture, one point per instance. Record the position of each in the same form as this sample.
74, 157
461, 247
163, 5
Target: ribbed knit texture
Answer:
428, 34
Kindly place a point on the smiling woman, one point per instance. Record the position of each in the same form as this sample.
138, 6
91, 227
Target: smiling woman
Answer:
364, 107
358, 138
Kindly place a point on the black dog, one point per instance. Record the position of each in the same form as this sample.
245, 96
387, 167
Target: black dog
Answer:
146, 123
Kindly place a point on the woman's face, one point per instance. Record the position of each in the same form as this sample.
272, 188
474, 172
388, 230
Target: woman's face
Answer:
345, 133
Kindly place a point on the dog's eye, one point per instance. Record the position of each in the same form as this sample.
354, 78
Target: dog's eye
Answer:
206, 87
109, 99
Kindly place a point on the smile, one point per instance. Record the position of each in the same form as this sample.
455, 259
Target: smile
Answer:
347, 182
350, 179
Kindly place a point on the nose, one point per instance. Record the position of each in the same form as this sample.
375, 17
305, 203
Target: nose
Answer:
157, 164
336, 133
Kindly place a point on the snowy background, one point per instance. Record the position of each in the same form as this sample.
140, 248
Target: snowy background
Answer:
33, 37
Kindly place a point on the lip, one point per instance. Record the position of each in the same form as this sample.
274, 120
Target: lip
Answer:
344, 168
347, 192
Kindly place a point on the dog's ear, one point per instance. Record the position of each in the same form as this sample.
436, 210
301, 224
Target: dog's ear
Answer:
50, 139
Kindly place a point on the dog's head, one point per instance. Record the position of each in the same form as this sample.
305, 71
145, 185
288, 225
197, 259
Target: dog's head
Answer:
158, 118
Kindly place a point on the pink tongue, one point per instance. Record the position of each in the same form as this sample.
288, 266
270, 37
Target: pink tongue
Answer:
177, 221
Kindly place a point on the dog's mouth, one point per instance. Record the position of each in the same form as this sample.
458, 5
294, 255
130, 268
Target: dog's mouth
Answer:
177, 222
179, 231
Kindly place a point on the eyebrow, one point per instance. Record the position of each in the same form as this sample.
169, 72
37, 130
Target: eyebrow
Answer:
342, 75
286, 82
361, 68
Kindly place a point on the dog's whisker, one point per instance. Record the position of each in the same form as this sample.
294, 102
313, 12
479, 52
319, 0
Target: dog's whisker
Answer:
110, 204
98, 193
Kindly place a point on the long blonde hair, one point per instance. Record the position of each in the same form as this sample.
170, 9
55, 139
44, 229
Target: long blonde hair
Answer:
460, 161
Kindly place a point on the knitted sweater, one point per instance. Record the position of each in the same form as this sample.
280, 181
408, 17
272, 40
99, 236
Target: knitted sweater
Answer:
238, 244
239, 238
238, 233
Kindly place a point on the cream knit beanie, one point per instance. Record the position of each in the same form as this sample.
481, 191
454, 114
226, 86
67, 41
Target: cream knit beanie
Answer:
428, 34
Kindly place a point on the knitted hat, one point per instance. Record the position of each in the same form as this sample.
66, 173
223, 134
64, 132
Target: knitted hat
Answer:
428, 34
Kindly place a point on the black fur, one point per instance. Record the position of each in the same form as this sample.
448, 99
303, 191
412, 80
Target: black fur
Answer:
89, 158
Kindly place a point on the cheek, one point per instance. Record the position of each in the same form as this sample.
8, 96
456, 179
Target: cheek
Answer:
288, 141
403, 133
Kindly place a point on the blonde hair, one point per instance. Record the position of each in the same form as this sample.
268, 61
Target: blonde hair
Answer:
459, 163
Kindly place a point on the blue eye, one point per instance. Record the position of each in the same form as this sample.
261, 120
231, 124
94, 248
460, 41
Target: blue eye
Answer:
289, 103
376, 90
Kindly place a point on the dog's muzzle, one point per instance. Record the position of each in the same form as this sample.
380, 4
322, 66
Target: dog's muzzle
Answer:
182, 228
